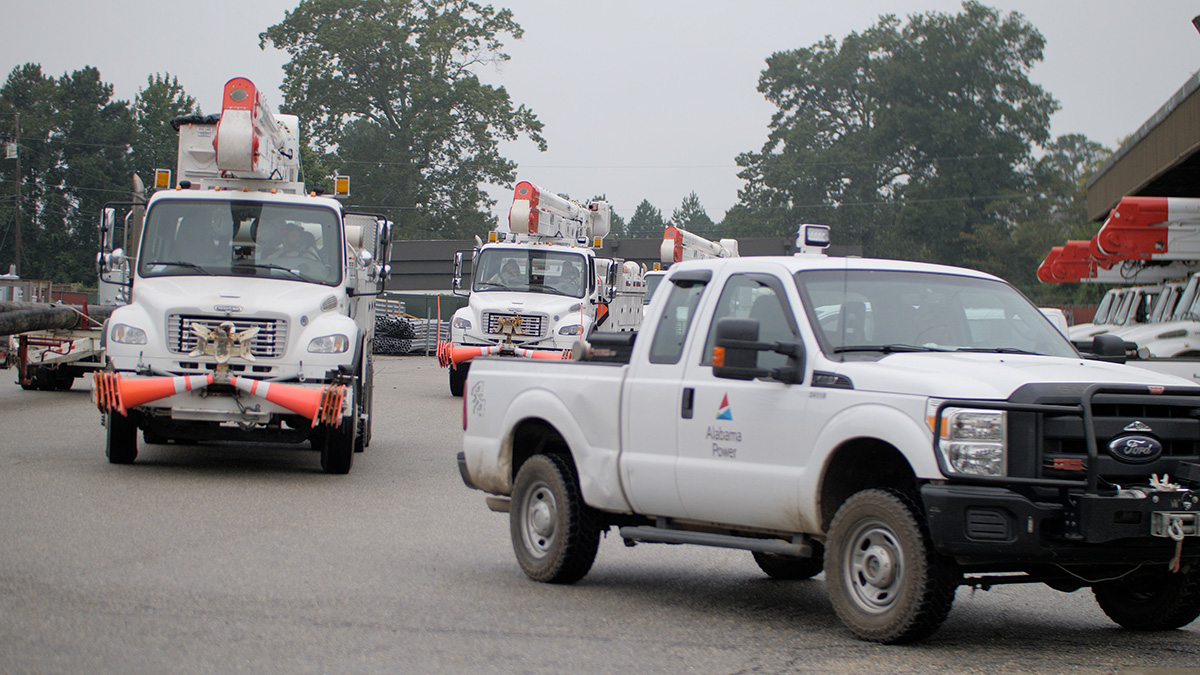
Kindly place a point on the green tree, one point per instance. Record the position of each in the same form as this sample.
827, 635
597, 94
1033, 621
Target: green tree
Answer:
75, 143
392, 85
160, 101
692, 217
913, 140
646, 221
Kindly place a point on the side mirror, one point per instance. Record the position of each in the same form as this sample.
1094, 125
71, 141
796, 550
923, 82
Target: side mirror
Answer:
1109, 347
108, 262
456, 284
108, 221
736, 349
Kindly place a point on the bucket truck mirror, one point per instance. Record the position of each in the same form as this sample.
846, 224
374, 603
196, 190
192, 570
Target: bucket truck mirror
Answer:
458, 266
365, 261
111, 261
108, 222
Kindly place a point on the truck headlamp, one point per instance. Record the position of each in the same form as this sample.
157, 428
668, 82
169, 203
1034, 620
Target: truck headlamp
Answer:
973, 441
329, 344
462, 324
125, 334
574, 329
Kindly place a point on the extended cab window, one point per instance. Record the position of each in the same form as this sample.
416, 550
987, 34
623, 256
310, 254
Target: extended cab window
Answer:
759, 297
675, 320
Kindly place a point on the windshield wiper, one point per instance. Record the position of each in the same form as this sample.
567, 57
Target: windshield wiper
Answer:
269, 266
488, 285
886, 349
181, 263
995, 350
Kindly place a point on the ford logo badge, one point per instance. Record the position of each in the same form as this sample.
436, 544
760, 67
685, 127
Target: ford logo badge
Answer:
1135, 449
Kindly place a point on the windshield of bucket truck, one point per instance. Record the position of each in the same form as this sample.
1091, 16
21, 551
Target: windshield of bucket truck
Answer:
874, 311
532, 271
241, 238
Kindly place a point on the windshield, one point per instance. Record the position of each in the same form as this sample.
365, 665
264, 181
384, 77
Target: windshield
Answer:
885, 311
242, 238
532, 271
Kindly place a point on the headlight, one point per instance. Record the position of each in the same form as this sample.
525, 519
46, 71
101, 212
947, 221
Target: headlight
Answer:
329, 344
461, 323
575, 329
125, 334
973, 441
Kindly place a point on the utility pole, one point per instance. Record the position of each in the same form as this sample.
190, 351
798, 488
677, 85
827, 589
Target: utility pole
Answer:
17, 223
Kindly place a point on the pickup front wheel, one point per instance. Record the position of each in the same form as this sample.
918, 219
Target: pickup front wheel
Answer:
1158, 600
554, 534
885, 581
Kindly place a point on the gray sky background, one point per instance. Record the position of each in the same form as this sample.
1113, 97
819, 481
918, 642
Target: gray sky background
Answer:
642, 99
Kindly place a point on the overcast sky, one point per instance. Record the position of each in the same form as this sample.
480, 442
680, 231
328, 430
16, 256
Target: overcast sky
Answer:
642, 99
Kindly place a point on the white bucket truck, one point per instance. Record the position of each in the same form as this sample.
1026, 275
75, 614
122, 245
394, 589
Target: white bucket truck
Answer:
251, 305
538, 288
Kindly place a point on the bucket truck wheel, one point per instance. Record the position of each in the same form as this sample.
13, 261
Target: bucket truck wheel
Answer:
122, 439
554, 534
791, 568
1158, 600
885, 580
458, 378
366, 390
336, 445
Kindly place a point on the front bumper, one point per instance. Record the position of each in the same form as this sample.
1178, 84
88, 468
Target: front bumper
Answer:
999, 524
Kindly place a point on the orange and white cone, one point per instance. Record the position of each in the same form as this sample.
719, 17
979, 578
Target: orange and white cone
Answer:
318, 405
113, 392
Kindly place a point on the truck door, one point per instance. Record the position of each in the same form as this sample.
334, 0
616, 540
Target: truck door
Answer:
653, 403
743, 448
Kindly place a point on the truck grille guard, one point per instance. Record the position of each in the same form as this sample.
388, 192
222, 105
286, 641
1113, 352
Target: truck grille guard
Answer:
113, 393
1144, 397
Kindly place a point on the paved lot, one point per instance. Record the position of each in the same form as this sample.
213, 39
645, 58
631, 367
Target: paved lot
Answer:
224, 558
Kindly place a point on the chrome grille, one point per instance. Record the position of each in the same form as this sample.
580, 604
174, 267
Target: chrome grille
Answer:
270, 342
531, 324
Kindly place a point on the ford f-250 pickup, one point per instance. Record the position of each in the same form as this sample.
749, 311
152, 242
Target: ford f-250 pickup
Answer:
905, 428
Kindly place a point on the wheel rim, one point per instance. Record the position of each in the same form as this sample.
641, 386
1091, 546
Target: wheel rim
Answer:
539, 519
873, 566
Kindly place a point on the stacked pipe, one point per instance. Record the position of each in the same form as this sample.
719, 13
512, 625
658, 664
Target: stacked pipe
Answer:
25, 317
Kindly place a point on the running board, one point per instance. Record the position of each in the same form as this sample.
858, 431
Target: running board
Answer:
798, 547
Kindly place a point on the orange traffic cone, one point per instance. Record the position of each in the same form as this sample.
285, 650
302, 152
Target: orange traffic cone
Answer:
299, 400
113, 392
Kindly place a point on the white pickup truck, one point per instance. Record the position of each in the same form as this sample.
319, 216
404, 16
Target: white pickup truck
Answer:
788, 406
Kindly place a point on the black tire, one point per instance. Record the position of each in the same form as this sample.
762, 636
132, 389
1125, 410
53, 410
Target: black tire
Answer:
1159, 600
554, 534
365, 398
458, 378
336, 445
791, 568
885, 581
121, 446
63, 380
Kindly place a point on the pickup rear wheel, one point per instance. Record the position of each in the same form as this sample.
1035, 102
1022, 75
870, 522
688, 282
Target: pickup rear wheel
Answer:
121, 439
885, 581
1161, 600
554, 534
791, 568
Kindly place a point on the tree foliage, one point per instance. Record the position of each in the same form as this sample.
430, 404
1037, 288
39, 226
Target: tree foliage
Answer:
692, 217
75, 156
914, 140
389, 88
160, 101
646, 221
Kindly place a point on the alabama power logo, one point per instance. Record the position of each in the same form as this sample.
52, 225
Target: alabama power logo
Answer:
724, 442
725, 412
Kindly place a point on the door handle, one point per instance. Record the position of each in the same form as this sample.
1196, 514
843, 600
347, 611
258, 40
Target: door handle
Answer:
685, 409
